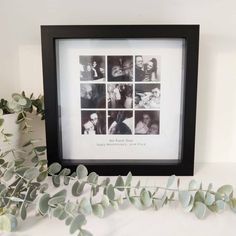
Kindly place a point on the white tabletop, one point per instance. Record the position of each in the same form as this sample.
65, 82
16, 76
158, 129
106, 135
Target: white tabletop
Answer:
168, 221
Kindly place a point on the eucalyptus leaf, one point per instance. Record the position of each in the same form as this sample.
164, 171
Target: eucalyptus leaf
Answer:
136, 202
184, 198
8, 174
193, 185
84, 233
40, 149
199, 196
233, 204
105, 201
43, 203
42, 176
115, 205
92, 178
61, 193
22, 101
77, 223
23, 212
119, 184
98, 210
170, 181
81, 171
128, 179
57, 212
225, 189
85, 206
54, 168
77, 188
220, 205
200, 210
56, 180
209, 199
110, 192
31, 173
56, 200
145, 198
8, 223
66, 180
69, 220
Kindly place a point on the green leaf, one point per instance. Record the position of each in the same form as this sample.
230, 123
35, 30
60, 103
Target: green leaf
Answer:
115, 205
98, 210
56, 180
84, 233
128, 179
92, 178
54, 168
43, 203
58, 211
209, 199
74, 188
8, 223
1, 122
189, 208
199, 196
40, 148
27, 144
61, 193
77, 223
136, 202
105, 201
56, 200
85, 206
220, 205
69, 220
145, 198
43, 187
23, 212
95, 190
8, 174
193, 185
42, 176
170, 181
120, 183
22, 101
184, 198
16, 97
35, 159
110, 192
66, 180
232, 204
200, 210
31, 173
81, 171
225, 189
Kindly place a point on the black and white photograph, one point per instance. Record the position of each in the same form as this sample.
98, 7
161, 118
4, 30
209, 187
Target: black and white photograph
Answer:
93, 122
92, 68
147, 68
92, 95
147, 122
120, 122
120, 96
147, 96
120, 68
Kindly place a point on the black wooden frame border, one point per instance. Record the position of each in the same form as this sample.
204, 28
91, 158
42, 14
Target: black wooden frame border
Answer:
185, 164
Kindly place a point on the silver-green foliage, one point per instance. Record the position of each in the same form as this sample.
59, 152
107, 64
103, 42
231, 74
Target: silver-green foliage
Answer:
23, 184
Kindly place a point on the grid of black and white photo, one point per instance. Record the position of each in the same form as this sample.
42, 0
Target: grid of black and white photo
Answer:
120, 94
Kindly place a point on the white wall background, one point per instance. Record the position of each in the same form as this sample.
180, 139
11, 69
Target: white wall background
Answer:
20, 53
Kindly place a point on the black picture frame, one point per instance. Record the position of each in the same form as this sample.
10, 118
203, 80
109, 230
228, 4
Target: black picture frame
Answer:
185, 164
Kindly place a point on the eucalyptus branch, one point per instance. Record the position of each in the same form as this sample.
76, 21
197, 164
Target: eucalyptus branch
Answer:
22, 186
